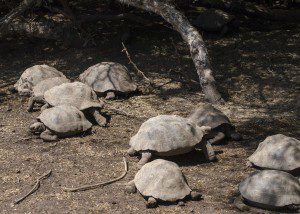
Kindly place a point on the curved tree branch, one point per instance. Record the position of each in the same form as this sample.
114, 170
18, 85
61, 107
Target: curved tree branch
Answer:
191, 36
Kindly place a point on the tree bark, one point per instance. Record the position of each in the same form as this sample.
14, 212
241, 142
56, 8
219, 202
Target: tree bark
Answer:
191, 36
15, 12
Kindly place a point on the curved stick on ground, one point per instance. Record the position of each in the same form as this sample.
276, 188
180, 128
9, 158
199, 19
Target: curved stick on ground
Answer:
94, 186
35, 187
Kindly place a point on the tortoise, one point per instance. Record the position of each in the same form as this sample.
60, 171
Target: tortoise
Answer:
60, 121
213, 20
167, 135
33, 75
269, 189
207, 115
108, 78
277, 152
161, 180
79, 95
43, 86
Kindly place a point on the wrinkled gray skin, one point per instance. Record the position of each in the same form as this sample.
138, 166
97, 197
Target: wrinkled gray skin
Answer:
270, 190
207, 115
108, 78
168, 135
43, 86
60, 121
154, 181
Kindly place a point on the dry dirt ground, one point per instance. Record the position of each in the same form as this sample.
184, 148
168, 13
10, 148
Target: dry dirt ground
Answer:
258, 73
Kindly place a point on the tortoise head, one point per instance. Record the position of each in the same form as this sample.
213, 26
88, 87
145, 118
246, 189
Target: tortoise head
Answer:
37, 127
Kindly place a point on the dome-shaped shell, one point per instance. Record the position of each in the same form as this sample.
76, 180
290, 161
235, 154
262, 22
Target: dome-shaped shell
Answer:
162, 180
35, 74
108, 76
65, 119
46, 84
213, 20
277, 152
165, 133
207, 115
75, 94
271, 188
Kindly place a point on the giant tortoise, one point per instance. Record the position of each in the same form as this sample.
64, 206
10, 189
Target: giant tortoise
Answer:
167, 135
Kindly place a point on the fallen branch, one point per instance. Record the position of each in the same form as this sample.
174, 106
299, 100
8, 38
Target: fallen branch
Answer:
141, 73
35, 187
93, 186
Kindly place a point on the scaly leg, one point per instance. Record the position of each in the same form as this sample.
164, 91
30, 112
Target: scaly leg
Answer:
151, 202
146, 156
47, 135
208, 151
130, 187
217, 138
33, 100
102, 121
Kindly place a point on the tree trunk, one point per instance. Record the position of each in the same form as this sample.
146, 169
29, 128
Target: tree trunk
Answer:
190, 35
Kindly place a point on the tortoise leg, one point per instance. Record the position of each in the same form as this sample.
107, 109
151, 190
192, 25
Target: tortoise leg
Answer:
217, 138
102, 121
238, 203
151, 202
195, 195
110, 95
48, 136
208, 151
33, 100
131, 152
146, 156
130, 187
45, 106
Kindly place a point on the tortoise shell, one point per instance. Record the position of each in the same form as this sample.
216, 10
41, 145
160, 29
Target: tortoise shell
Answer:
167, 135
108, 76
207, 115
35, 74
47, 84
277, 152
271, 189
75, 94
162, 180
64, 120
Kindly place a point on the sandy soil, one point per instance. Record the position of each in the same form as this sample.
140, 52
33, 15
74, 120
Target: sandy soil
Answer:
258, 73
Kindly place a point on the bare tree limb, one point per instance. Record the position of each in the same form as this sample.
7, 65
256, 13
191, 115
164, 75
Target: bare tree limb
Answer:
191, 36
141, 73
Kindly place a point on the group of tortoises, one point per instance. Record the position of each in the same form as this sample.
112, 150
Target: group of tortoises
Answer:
73, 103
69, 106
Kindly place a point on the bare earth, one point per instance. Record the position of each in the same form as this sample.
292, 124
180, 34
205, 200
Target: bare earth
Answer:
257, 71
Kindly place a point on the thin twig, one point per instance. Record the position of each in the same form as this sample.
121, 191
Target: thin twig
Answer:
135, 66
35, 187
93, 186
